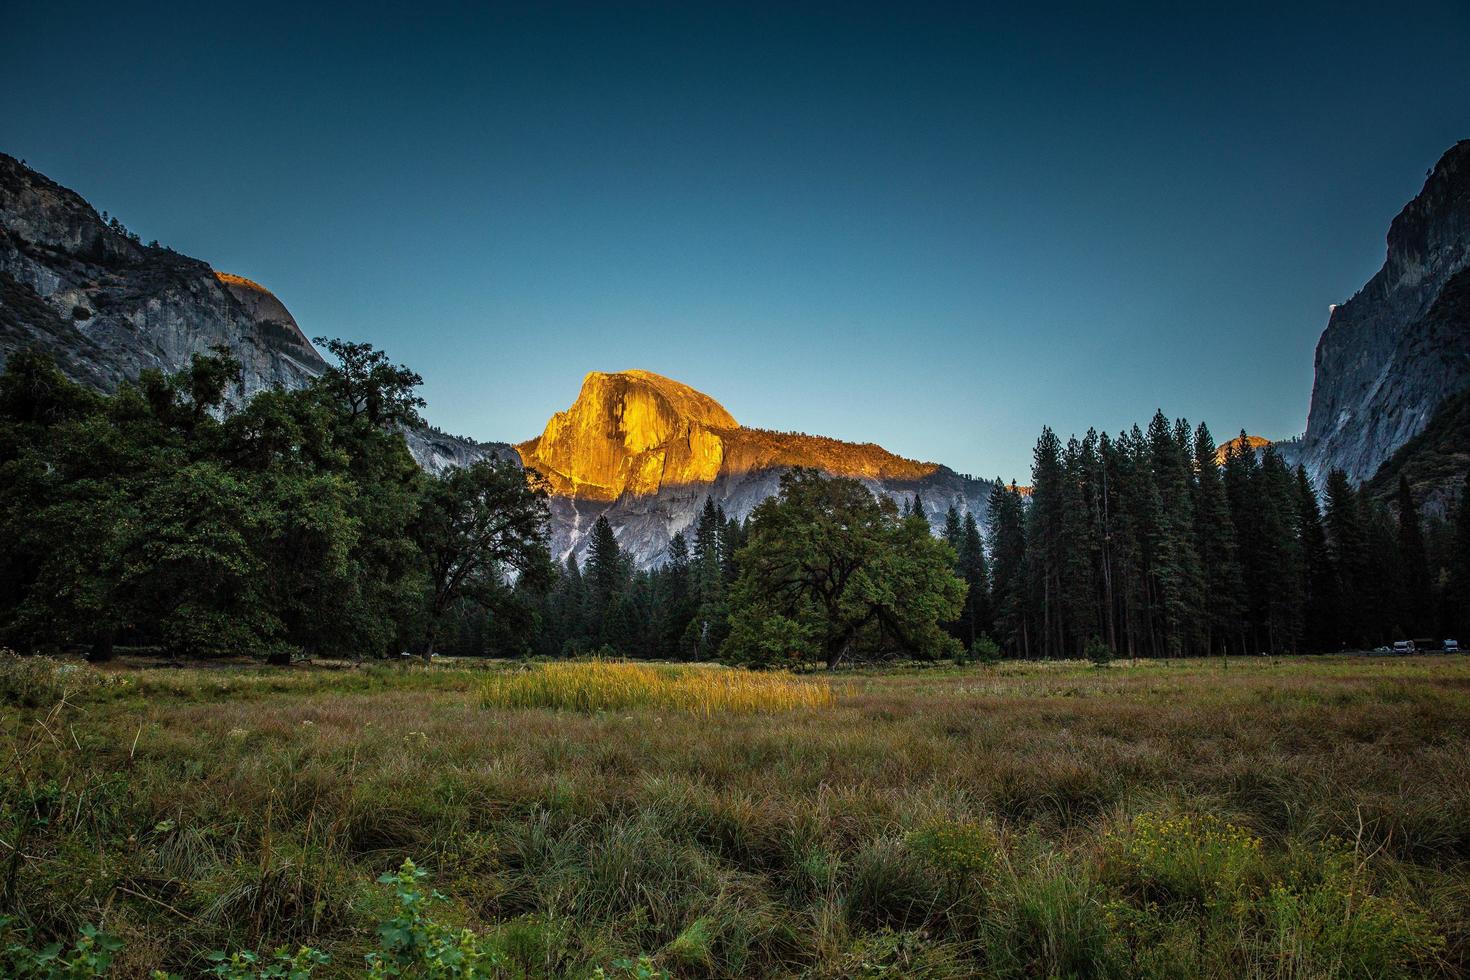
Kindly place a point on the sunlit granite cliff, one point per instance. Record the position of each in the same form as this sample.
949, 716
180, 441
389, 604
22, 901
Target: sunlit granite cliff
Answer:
646, 450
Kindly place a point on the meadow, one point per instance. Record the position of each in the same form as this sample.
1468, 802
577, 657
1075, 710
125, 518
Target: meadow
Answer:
1280, 818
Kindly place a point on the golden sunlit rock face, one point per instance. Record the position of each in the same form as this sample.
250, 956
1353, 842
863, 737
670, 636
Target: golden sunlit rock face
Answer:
263, 305
1238, 443
636, 432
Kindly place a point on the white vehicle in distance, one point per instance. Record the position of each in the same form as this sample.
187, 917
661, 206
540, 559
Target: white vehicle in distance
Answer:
1451, 646
1403, 646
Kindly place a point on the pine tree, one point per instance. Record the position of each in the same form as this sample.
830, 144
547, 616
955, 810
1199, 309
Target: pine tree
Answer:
732, 537
1214, 536
1319, 579
1044, 543
1416, 592
1347, 540
569, 611
1277, 494
953, 531
708, 627
605, 578
1241, 483
674, 605
1007, 531
1175, 564
976, 620
1458, 584
1078, 587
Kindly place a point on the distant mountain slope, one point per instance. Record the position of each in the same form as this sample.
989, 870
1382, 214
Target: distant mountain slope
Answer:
1396, 350
1435, 461
646, 450
108, 307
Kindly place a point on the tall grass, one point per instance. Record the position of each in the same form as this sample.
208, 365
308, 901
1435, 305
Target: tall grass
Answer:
611, 686
1295, 819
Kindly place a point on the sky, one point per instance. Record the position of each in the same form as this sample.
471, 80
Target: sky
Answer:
935, 227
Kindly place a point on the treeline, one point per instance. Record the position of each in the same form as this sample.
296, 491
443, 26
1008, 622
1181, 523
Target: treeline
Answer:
767, 590
1149, 545
168, 516
163, 517
678, 610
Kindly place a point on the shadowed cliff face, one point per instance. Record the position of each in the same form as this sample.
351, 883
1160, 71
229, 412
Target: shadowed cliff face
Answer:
107, 307
1392, 354
646, 450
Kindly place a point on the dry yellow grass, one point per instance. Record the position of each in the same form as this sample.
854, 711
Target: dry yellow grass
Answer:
609, 685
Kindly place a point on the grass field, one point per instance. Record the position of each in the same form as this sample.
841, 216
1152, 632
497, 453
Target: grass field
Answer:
1294, 818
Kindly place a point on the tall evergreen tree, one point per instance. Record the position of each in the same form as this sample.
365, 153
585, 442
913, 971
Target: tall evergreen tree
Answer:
1008, 568
1319, 578
1276, 492
708, 627
1457, 585
605, 577
1174, 565
567, 629
1077, 583
1045, 547
1214, 536
675, 606
977, 618
1415, 598
953, 530
1347, 539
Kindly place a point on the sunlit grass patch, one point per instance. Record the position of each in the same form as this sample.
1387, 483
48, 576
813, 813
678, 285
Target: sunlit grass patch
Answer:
611, 686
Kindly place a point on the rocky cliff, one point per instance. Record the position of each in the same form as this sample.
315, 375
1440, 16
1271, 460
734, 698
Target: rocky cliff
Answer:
1394, 352
646, 450
108, 307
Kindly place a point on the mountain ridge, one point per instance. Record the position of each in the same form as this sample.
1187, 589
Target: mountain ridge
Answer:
645, 451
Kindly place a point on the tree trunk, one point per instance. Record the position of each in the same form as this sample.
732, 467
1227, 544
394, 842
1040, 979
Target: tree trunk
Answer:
101, 650
836, 652
429, 645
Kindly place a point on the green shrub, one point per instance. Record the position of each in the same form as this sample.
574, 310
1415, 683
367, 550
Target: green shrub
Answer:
282, 965
413, 945
985, 650
91, 955
1099, 652
1327, 919
35, 682
1184, 860
963, 852
625, 969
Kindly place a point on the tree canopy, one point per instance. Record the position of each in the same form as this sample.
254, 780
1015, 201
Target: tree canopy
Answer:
829, 570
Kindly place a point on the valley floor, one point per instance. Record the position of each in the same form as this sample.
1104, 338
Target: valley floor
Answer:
1295, 817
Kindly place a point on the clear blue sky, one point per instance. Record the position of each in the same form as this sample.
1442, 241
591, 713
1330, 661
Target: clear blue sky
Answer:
935, 227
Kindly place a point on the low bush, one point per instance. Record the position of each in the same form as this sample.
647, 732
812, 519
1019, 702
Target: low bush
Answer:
37, 682
1184, 859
